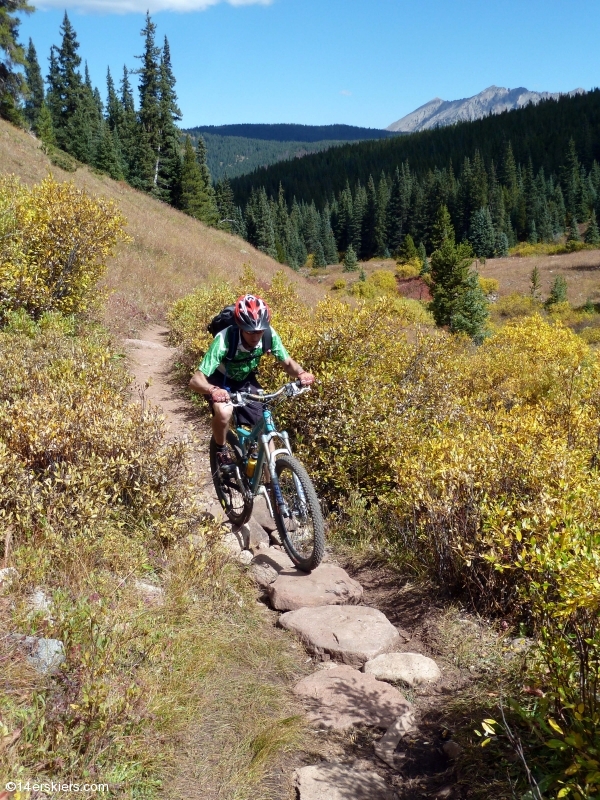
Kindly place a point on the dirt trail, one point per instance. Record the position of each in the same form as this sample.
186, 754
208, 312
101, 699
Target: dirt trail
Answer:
463, 646
152, 364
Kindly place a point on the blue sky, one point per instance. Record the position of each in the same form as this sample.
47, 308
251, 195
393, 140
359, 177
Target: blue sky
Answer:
367, 62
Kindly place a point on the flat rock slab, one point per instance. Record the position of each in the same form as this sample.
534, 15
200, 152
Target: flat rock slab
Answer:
340, 697
341, 782
326, 585
410, 668
350, 634
44, 655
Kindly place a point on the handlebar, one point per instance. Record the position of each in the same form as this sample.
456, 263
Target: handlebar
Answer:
292, 389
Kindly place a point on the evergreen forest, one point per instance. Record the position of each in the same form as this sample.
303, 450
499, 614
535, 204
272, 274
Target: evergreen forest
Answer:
526, 175
140, 143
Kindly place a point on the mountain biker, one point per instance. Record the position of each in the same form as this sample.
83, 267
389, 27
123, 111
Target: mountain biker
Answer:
216, 377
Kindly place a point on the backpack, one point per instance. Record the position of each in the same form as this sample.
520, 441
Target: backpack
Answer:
225, 319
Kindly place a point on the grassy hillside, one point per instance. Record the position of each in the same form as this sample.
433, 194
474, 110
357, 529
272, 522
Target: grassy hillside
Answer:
171, 252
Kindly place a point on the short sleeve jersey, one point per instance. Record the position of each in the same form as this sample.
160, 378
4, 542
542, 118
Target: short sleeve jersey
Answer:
215, 355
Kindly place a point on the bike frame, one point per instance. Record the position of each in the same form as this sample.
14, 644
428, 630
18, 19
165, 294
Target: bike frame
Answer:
264, 432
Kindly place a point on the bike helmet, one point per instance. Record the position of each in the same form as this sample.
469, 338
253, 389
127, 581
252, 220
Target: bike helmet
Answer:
251, 313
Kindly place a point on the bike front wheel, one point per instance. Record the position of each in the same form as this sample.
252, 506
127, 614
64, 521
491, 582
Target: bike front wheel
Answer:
236, 504
302, 531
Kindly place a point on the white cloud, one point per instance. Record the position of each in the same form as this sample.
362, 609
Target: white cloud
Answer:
346, 93
141, 6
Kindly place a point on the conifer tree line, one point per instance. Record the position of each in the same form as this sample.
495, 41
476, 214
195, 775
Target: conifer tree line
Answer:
491, 206
141, 143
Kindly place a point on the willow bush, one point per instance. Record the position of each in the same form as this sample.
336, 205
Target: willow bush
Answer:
54, 243
477, 465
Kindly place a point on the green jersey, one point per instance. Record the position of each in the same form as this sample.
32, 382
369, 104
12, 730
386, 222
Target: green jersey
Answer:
241, 366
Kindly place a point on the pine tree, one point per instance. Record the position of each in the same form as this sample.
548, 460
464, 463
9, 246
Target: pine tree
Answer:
535, 284
35, 86
592, 234
458, 302
573, 232
107, 155
532, 236
114, 106
149, 89
328, 239
12, 84
259, 223
169, 172
502, 245
350, 259
319, 261
558, 292
44, 128
425, 268
66, 88
368, 236
225, 205
196, 199
482, 235
442, 228
408, 251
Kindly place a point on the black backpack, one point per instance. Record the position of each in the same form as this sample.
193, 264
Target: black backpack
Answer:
225, 319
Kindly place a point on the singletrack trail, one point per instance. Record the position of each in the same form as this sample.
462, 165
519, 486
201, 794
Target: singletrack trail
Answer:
381, 728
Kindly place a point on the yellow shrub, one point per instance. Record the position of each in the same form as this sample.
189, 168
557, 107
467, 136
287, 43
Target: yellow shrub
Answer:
515, 305
54, 245
489, 285
339, 284
76, 456
380, 283
410, 269
591, 335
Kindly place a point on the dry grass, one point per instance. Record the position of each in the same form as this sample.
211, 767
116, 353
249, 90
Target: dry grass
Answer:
581, 270
171, 253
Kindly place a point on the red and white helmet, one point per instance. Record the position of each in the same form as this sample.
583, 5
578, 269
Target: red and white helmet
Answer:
252, 313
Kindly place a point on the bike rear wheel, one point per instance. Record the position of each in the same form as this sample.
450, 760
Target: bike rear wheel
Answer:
303, 530
236, 504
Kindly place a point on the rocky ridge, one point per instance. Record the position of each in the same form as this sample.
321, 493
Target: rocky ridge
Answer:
494, 100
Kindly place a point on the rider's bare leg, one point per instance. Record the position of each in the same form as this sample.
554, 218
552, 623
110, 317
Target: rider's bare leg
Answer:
220, 421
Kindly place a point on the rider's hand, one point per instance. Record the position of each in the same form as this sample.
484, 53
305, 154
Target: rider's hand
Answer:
219, 396
306, 378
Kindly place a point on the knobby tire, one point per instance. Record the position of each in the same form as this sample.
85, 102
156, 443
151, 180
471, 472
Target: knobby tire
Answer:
237, 507
305, 550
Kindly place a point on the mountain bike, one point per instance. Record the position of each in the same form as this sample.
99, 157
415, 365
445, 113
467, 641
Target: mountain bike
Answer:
291, 499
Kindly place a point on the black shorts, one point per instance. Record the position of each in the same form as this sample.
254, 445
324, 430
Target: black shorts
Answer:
246, 415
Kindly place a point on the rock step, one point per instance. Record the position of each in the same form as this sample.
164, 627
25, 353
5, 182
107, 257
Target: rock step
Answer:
341, 782
350, 634
410, 668
340, 696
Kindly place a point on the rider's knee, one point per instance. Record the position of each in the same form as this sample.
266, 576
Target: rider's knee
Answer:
223, 412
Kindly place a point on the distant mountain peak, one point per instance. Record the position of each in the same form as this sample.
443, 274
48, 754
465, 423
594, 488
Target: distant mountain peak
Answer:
493, 100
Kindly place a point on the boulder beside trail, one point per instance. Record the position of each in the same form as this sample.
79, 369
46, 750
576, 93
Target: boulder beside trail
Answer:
325, 585
44, 655
331, 781
340, 696
350, 634
410, 668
